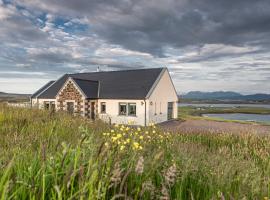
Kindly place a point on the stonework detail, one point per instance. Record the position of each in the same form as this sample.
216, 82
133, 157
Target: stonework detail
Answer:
70, 93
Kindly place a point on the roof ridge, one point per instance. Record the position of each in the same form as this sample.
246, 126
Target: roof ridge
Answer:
126, 70
81, 79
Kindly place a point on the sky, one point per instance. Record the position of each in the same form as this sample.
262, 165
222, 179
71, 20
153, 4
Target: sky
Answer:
207, 45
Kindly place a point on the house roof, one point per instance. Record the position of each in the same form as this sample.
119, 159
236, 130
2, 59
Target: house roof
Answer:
42, 89
88, 87
126, 84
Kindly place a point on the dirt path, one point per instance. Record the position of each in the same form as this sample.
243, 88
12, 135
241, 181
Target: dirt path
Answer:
206, 126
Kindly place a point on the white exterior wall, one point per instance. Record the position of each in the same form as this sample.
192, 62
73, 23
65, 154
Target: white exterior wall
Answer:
39, 103
163, 93
112, 112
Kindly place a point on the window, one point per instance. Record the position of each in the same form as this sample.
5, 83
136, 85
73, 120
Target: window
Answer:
47, 105
53, 106
127, 109
70, 107
103, 107
122, 109
132, 109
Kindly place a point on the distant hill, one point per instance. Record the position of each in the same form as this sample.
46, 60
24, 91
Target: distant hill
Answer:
225, 96
13, 97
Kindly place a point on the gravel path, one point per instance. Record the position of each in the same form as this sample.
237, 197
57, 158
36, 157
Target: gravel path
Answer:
206, 126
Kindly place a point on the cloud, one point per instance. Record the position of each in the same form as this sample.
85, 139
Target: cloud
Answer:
200, 41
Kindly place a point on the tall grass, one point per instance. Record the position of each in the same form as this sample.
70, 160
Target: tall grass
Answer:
55, 156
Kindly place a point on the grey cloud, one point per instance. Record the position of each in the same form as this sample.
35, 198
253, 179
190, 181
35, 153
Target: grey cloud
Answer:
150, 25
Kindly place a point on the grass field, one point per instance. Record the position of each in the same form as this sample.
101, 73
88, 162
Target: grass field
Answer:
55, 156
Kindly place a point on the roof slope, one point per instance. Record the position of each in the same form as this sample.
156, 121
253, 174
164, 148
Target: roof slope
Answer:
128, 84
88, 87
42, 89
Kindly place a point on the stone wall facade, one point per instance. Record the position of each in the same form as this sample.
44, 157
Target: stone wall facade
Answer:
89, 109
71, 93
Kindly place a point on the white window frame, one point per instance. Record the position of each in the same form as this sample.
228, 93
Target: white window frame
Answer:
127, 109
119, 113
135, 109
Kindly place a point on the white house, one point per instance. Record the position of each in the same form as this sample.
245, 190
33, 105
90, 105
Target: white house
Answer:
139, 96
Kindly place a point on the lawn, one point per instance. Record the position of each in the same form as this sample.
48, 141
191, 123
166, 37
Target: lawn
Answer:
56, 156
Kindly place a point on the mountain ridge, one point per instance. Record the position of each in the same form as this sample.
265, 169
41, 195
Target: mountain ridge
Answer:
225, 95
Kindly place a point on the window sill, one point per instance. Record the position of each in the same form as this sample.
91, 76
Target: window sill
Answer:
127, 115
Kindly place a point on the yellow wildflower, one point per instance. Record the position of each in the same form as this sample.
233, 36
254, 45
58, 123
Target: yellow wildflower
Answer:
138, 129
106, 144
154, 131
112, 131
119, 135
128, 140
136, 145
141, 137
122, 147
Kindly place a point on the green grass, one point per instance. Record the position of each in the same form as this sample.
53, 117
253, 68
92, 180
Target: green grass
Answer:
55, 156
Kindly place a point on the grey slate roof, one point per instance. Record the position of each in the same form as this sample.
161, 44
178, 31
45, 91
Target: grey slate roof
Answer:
42, 89
127, 84
89, 87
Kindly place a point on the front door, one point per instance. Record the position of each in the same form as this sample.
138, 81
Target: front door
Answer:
93, 110
70, 107
170, 110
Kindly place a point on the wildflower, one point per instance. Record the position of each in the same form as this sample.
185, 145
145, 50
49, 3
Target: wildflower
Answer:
116, 175
140, 166
141, 137
104, 134
119, 135
154, 131
136, 145
112, 131
170, 175
114, 139
139, 129
146, 132
116, 125
148, 186
127, 129
122, 147
128, 140
164, 193
106, 144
